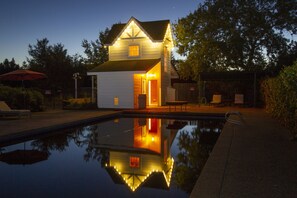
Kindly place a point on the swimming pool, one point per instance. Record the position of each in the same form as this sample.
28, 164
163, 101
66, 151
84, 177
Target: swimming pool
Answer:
122, 157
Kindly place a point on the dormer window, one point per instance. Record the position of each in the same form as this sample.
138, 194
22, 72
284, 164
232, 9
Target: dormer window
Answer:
134, 50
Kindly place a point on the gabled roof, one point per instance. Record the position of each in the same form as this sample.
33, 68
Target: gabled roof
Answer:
126, 65
155, 180
155, 29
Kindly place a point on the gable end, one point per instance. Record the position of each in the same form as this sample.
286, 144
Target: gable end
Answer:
155, 30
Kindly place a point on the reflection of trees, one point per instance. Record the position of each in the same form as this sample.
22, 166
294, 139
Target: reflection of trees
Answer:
60, 141
195, 147
101, 155
57, 142
82, 137
94, 153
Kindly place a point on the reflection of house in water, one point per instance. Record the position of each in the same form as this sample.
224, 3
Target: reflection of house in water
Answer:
139, 150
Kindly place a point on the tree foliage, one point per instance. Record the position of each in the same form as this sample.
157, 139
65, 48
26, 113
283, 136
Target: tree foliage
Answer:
52, 60
16, 98
95, 51
8, 66
235, 34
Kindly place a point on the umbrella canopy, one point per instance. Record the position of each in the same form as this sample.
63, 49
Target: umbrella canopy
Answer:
23, 157
22, 74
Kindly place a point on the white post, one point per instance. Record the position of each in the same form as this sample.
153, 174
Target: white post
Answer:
75, 87
75, 77
93, 90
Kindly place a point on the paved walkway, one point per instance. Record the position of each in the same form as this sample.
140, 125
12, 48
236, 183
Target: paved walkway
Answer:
256, 159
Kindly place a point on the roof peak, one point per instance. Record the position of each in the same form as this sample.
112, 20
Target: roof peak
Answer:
132, 17
156, 30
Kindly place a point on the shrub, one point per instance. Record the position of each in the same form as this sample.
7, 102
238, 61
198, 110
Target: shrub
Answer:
78, 103
280, 95
19, 98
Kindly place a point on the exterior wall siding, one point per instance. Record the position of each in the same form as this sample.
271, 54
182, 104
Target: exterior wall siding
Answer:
165, 76
148, 162
137, 89
119, 51
115, 84
124, 85
122, 139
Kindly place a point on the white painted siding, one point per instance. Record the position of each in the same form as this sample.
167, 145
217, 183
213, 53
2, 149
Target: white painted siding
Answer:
114, 129
119, 51
165, 76
148, 162
115, 84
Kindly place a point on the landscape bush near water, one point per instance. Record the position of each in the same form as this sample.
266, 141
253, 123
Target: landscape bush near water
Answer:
20, 98
280, 95
78, 103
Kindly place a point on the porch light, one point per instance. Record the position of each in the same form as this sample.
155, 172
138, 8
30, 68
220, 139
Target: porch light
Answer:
150, 75
153, 138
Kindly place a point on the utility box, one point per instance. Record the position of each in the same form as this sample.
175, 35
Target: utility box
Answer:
141, 101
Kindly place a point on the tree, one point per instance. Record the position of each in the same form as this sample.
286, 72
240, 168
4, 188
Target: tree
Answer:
77, 62
95, 51
285, 58
52, 60
234, 35
8, 66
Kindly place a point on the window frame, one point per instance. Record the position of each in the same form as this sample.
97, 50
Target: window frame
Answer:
134, 45
134, 161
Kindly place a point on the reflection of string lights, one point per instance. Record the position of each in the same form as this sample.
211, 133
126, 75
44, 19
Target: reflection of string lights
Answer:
133, 186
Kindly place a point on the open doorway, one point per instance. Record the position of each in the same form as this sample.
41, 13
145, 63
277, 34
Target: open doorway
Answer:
153, 92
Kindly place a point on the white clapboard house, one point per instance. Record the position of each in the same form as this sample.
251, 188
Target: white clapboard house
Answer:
139, 64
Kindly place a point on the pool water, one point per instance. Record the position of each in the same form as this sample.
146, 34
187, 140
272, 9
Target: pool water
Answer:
123, 157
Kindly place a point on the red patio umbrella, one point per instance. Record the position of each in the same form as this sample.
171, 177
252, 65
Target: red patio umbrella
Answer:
22, 74
23, 157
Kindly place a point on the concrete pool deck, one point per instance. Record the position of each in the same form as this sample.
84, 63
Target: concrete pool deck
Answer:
43, 122
254, 159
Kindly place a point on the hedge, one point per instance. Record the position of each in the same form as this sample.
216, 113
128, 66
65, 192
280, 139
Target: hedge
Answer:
19, 98
78, 103
280, 95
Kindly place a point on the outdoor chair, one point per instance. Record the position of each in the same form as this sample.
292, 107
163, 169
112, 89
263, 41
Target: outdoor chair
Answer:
5, 110
216, 99
239, 99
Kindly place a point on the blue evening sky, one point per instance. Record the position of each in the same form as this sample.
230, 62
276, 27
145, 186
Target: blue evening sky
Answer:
22, 22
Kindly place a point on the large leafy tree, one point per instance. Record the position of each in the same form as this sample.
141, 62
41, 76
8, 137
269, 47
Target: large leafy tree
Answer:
95, 51
245, 35
54, 61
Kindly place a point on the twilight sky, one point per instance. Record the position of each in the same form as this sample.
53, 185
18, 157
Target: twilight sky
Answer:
22, 22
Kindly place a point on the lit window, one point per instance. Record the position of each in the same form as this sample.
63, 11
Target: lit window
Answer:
116, 101
133, 50
134, 162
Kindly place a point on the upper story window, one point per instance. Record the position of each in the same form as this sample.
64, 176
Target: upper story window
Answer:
134, 162
134, 50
